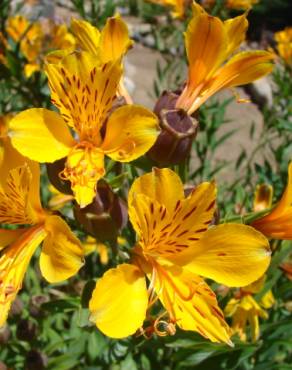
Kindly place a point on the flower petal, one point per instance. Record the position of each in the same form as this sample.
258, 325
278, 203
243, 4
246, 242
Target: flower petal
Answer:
87, 36
163, 233
84, 91
206, 44
83, 168
14, 261
114, 40
9, 236
277, 224
236, 30
191, 304
130, 132
234, 255
154, 185
40, 135
62, 253
20, 204
119, 302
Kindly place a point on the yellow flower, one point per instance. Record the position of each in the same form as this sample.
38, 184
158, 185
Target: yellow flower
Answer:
284, 44
9, 157
277, 224
35, 42
30, 35
240, 4
175, 247
84, 91
178, 6
245, 310
209, 43
3, 47
62, 253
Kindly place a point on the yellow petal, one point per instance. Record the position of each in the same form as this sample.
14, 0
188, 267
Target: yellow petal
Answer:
206, 43
244, 68
84, 91
62, 253
14, 261
9, 236
277, 224
31, 68
234, 255
154, 185
119, 302
87, 36
191, 304
114, 40
19, 202
130, 132
10, 158
236, 30
268, 300
40, 135
164, 233
83, 168
263, 197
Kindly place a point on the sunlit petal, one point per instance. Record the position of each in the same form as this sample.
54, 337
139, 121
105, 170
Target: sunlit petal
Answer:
119, 301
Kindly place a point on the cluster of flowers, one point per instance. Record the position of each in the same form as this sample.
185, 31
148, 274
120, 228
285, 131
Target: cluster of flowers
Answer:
178, 239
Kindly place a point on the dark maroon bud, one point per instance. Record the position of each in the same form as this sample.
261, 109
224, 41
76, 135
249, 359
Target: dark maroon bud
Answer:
54, 170
174, 143
35, 304
5, 335
26, 330
35, 360
105, 216
166, 101
16, 307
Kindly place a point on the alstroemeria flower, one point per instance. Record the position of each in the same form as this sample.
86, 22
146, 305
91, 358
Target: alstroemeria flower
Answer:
209, 43
284, 44
178, 6
84, 91
244, 309
36, 40
62, 253
175, 248
277, 224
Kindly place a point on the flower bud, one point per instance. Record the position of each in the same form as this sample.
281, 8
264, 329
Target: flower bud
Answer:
53, 170
16, 307
5, 335
35, 360
178, 130
105, 216
35, 304
26, 330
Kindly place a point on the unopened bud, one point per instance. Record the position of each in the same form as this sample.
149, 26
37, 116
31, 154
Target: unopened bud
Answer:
53, 170
174, 143
5, 335
36, 302
35, 360
16, 307
105, 216
26, 330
